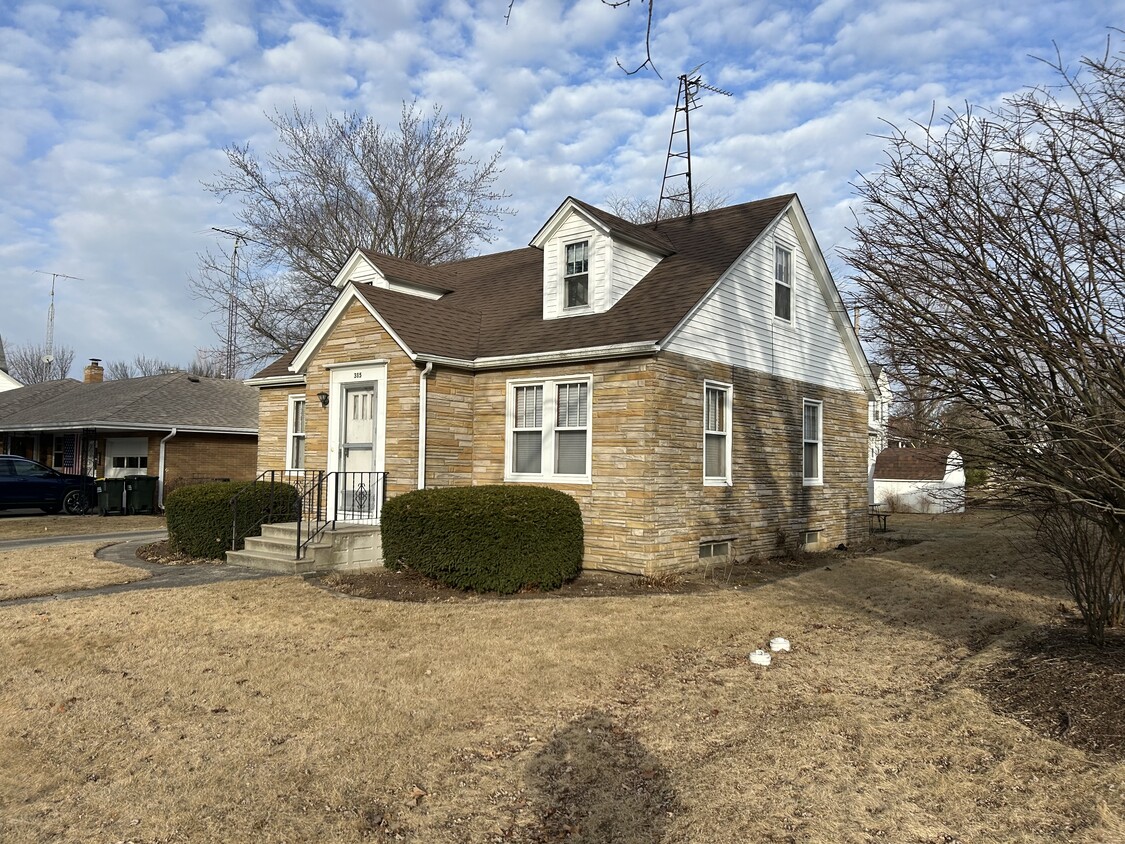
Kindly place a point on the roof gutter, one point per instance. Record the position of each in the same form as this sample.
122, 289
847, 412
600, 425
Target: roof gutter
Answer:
621, 350
125, 426
160, 471
422, 424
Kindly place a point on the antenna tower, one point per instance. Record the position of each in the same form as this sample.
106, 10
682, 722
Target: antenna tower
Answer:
679, 144
230, 350
49, 351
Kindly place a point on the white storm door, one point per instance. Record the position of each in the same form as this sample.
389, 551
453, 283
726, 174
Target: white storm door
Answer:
356, 487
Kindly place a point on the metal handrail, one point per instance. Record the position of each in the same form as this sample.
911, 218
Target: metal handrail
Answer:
276, 478
338, 496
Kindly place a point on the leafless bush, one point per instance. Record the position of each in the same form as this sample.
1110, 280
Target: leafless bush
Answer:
1093, 563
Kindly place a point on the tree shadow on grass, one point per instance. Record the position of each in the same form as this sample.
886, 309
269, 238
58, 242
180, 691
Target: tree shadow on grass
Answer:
598, 784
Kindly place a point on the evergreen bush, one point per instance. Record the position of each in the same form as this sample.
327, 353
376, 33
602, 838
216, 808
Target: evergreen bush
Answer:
485, 538
201, 521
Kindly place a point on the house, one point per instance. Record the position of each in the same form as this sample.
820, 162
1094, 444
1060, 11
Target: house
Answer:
878, 416
920, 480
7, 382
695, 384
177, 427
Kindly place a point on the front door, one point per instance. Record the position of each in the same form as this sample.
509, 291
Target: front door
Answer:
356, 487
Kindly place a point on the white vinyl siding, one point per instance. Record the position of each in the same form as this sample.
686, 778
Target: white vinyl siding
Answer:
812, 448
716, 433
736, 326
628, 265
295, 434
548, 436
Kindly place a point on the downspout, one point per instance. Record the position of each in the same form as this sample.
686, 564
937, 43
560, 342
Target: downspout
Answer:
422, 424
160, 478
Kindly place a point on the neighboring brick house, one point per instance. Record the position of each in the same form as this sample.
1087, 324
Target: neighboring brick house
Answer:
178, 427
696, 385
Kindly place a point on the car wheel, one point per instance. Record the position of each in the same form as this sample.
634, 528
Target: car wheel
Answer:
75, 502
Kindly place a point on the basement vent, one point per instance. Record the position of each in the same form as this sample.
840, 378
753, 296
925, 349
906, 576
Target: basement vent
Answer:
707, 550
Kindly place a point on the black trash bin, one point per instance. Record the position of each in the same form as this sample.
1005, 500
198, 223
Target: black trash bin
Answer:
140, 494
111, 496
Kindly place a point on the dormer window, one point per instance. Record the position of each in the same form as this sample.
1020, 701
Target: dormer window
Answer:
577, 279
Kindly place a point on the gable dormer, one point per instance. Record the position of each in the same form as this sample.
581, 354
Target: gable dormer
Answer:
591, 259
390, 273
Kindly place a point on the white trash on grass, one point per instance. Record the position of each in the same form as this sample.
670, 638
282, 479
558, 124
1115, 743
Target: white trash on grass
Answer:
779, 643
760, 657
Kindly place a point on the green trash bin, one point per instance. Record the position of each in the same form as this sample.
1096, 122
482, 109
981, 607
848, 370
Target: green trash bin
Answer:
111, 496
140, 494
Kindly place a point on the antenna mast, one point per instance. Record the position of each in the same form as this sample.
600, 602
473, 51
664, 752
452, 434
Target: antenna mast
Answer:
49, 351
230, 352
686, 102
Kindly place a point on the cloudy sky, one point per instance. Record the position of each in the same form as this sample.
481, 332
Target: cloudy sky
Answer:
113, 113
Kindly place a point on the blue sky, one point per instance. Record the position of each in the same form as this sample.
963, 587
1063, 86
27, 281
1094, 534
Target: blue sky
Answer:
112, 114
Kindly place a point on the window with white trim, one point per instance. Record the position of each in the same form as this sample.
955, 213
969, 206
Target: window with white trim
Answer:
783, 284
295, 436
716, 433
812, 452
549, 430
576, 280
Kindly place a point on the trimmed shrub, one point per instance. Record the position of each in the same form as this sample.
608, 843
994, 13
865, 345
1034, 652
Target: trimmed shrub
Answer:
200, 521
485, 538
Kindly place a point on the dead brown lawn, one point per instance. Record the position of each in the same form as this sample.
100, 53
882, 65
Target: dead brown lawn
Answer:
50, 569
32, 527
276, 711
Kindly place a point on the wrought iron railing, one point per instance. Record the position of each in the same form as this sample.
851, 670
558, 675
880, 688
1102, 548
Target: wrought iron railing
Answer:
333, 497
279, 506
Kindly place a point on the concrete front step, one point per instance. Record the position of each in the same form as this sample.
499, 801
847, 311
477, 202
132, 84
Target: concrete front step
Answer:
348, 546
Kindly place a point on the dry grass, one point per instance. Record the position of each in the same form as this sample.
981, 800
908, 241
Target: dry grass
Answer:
33, 527
273, 711
49, 569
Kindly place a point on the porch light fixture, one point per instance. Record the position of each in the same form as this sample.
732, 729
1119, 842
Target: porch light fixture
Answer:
323, 398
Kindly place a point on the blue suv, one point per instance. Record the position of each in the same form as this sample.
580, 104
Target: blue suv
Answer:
25, 483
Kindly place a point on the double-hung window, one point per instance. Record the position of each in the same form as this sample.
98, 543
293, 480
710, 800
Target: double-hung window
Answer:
549, 430
783, 284
812, 440
716, 433
576, 281
295, 439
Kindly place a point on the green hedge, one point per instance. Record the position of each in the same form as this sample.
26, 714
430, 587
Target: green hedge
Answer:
485, 538
200, 520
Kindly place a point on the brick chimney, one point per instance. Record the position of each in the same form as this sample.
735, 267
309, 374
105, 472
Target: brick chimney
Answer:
93, 373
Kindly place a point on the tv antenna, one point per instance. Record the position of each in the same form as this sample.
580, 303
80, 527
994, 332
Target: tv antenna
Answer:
679, 148
230, 352
49, 351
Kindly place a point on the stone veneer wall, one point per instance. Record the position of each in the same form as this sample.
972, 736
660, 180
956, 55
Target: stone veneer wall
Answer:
616, 507
767, 507
647, 510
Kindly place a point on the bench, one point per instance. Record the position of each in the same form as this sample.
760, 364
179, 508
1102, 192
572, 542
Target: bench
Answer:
877, 515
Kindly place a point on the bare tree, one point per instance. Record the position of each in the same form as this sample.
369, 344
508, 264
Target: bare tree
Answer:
637, 210
991, 255
27, 365
203, 364
330, 187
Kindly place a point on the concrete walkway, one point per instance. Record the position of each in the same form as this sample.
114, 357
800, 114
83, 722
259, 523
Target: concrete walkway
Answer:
125, 553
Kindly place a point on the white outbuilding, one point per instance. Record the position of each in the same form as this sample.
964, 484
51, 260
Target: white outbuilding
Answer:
920, 480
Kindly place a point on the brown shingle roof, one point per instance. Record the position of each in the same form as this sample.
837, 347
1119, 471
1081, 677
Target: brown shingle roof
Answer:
495, 307
912, 464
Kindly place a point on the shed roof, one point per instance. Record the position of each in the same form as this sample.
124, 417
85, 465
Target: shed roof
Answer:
913, 464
